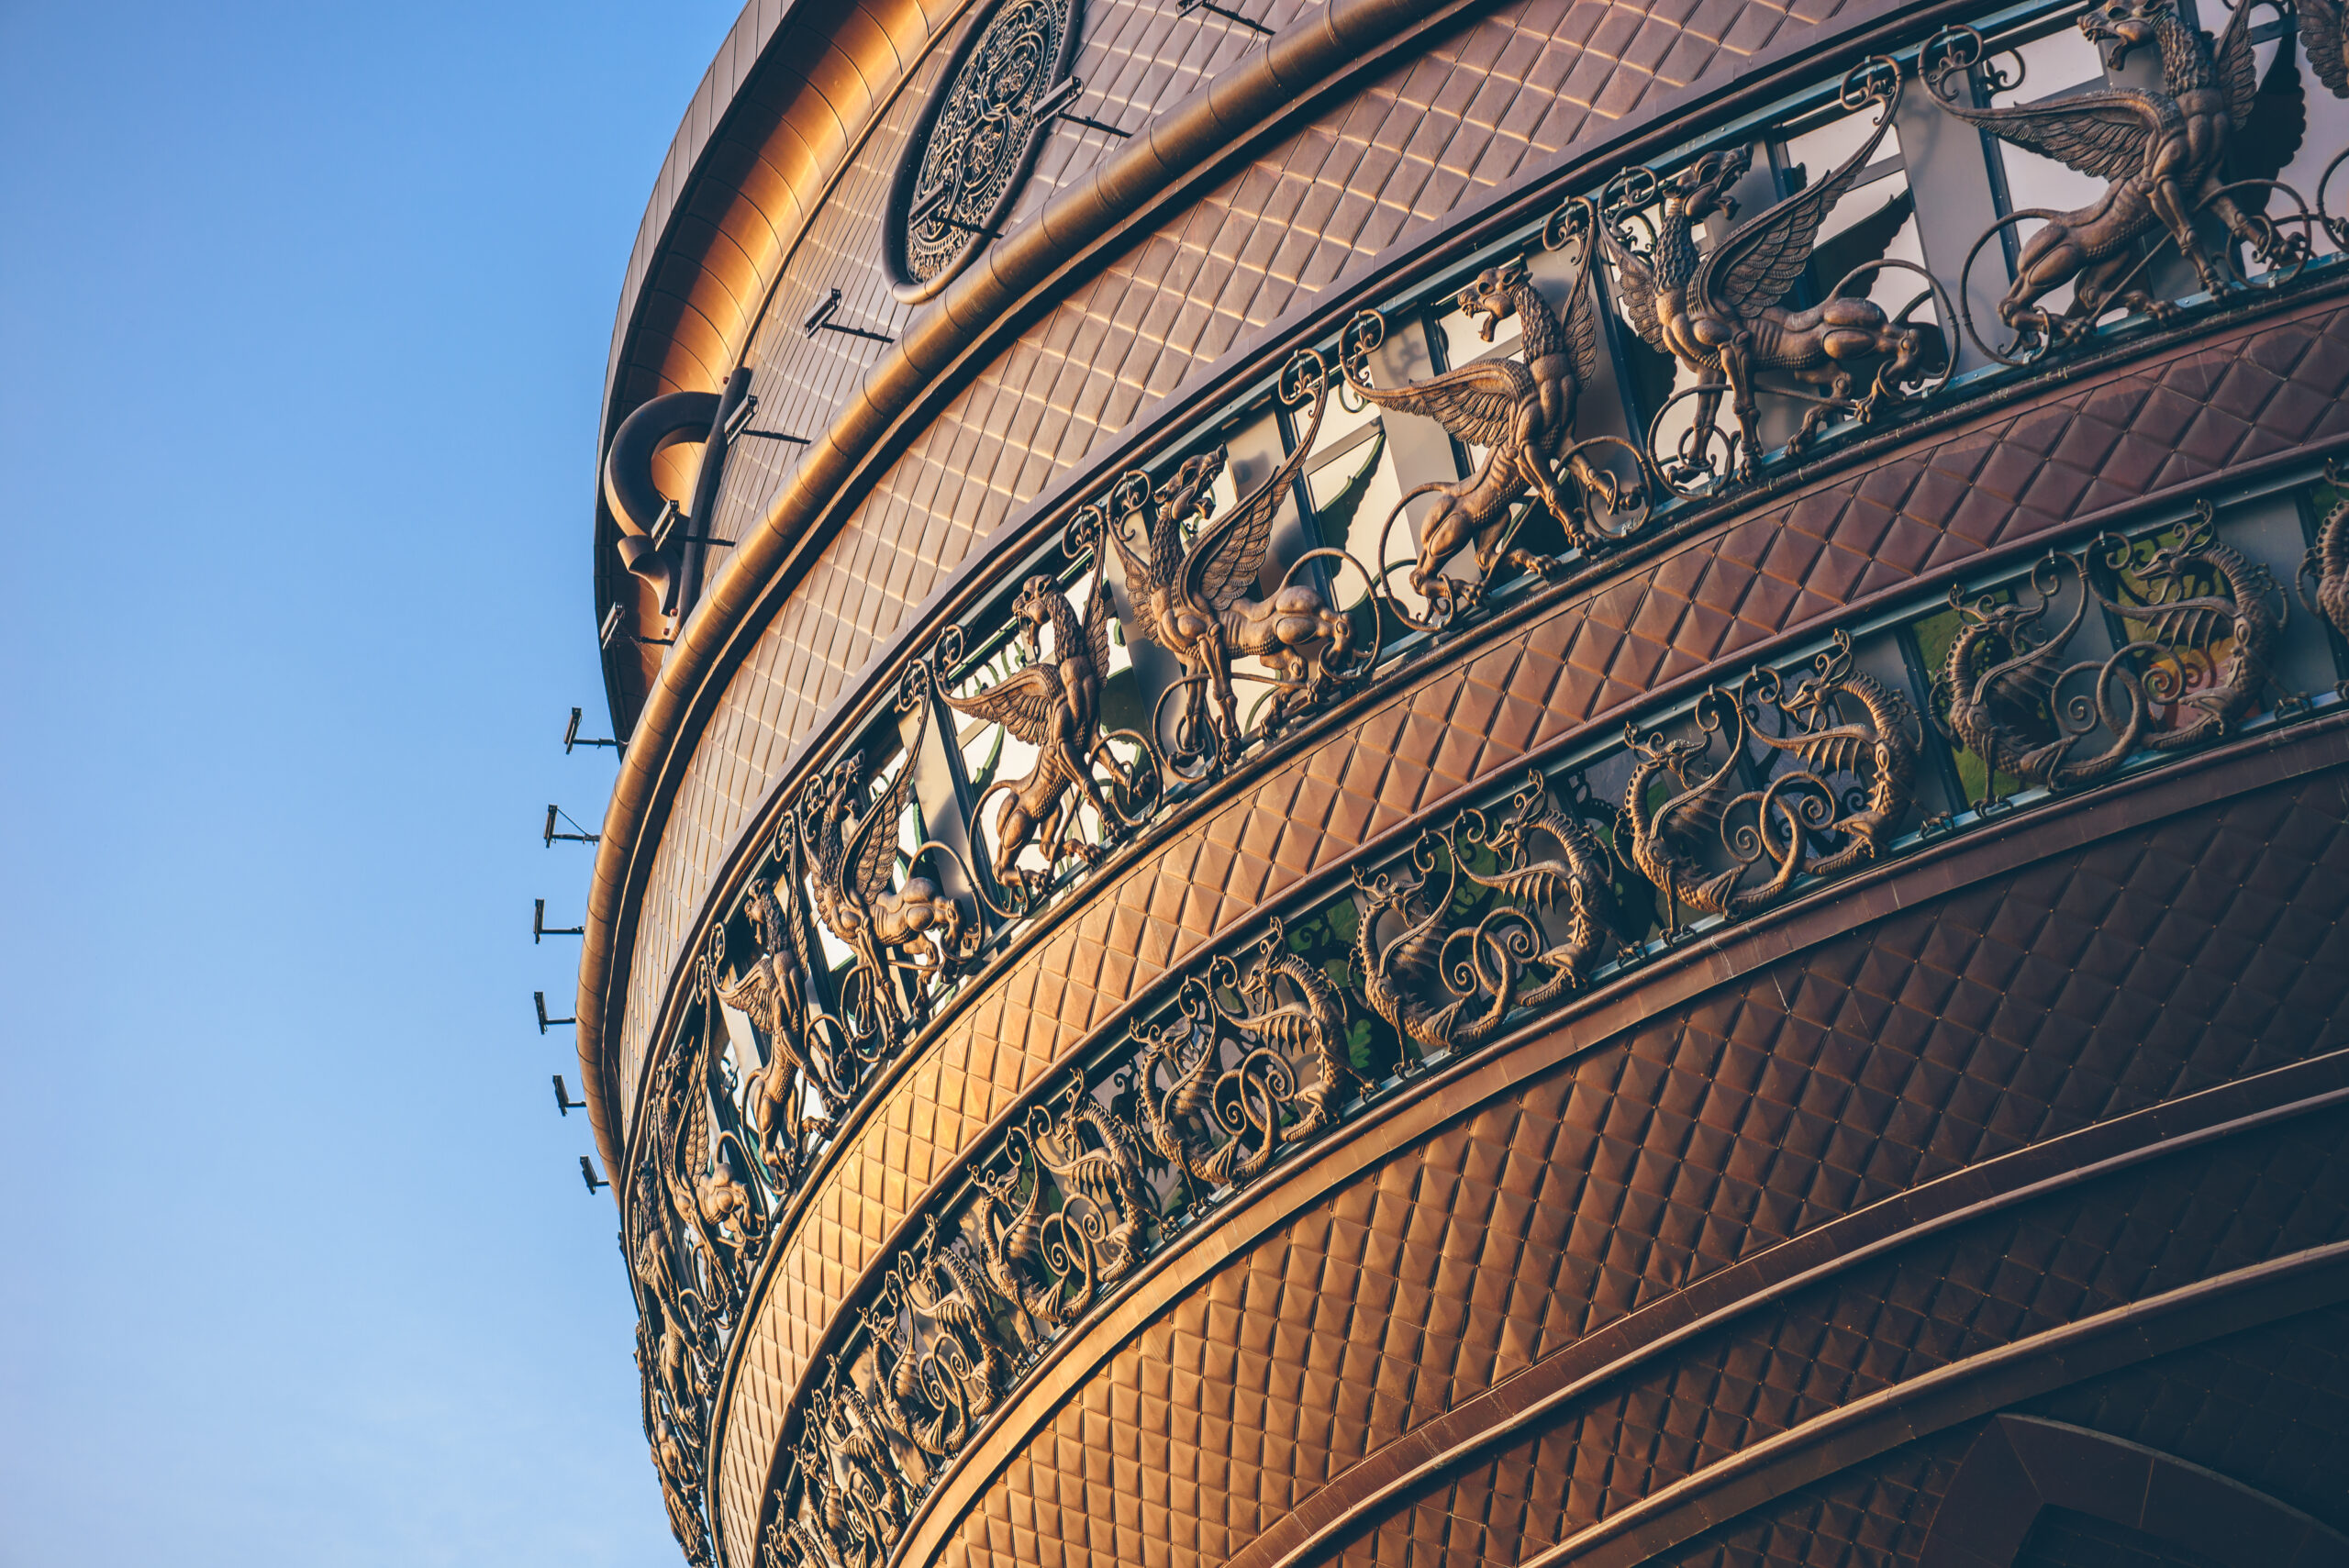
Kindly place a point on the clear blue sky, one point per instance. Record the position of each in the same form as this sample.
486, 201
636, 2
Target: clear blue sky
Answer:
304, 311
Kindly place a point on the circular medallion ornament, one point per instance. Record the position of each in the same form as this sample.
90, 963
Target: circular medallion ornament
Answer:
977, 141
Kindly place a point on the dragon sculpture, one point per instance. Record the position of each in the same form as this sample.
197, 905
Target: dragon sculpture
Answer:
1054, 706
1194, 599
772, 993
2187, 628
852, 859
1008, 1250
1847, 721
2327, 566
1719, 311
1094, 1238
2167, 155
2000, 685
1662, 836
1261, 1102
1521, 411
1404, 979
1577, 877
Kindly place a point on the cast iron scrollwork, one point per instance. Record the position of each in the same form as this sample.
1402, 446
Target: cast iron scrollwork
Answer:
1717, 311
1732, 836
1218, 1090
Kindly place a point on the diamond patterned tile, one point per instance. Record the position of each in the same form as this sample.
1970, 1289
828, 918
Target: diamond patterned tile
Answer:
1837, 1077
2067, 1257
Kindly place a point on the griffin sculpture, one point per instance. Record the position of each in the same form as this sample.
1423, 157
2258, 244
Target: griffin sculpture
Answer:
1193, 599
853, 857
1719, 311
1521, 411
1054, 706
772, 994
2168, 154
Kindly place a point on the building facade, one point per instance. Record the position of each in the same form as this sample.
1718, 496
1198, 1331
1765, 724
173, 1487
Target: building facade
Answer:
1437, 782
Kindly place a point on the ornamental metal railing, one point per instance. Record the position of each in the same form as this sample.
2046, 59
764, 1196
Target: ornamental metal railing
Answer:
1641, 358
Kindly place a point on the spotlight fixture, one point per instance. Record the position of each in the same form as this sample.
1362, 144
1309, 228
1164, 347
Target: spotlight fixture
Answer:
1054, 105
737, 424
539, 929
1184, 7
563, 1100
580, 837
544, 1022
610, 630
820, 320
571, 736
588, 1175
665, 529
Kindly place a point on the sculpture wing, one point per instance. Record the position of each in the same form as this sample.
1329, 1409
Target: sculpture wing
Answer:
2238, 71
1754, 267
2322, 34
1225, 560
873, 843
1096, 630
1582, 335
1026, 703
1637, 292
1475, 404
753, 994
2270, 128
2104, 135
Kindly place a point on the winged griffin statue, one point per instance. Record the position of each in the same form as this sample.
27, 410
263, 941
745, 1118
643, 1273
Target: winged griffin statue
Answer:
1720, 311
1194, 599
1053, 704
2207, 140
771, 991
1521, 411
853, 859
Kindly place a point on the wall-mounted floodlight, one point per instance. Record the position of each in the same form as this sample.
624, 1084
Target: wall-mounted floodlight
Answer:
588, 1175
580, 837
571, 736
820, 320
1184, 7
545, 1022
1054, 105
563, 1100
737, 424
665, 529
539, 929
610, 630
